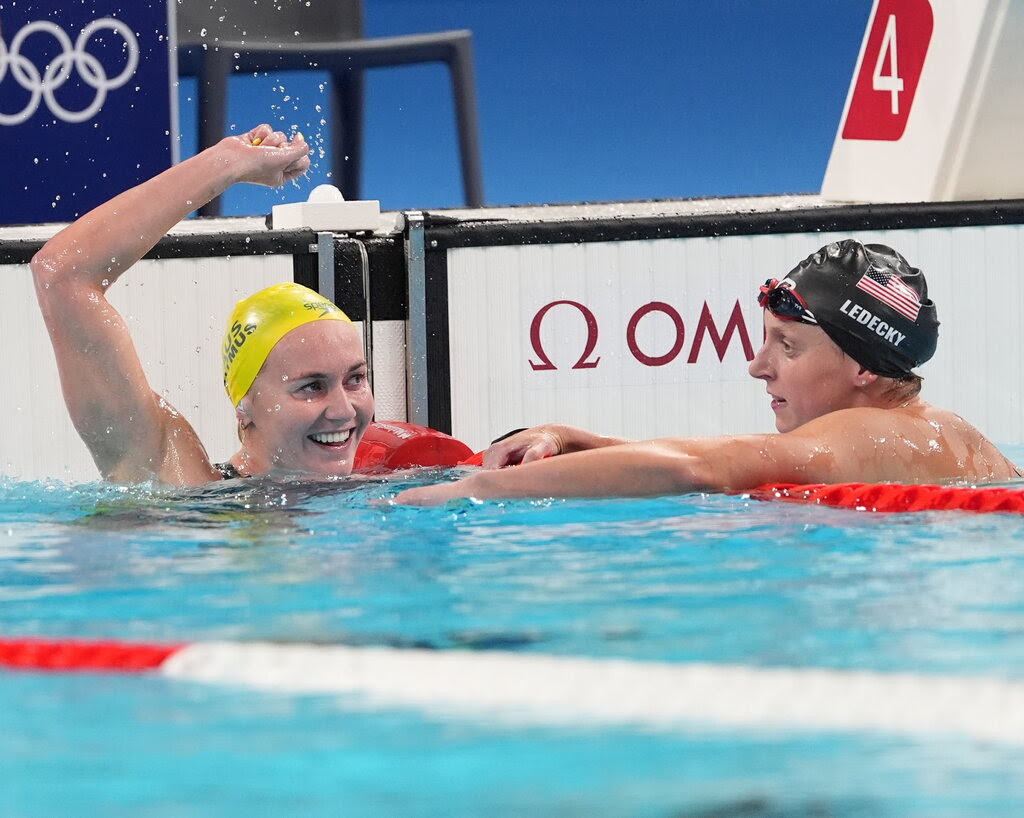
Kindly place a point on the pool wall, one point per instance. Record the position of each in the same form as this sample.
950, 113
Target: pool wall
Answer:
634, 319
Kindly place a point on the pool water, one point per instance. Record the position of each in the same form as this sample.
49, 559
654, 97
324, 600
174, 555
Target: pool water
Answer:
709, 579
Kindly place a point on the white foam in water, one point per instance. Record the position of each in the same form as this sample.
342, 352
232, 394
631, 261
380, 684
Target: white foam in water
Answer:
533, 689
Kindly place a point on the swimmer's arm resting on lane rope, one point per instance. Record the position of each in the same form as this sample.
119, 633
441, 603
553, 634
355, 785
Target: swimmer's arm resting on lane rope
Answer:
132, 434
863, 445
646, 468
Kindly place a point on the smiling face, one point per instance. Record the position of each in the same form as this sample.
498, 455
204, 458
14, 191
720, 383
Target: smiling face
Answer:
805, 373
309, 405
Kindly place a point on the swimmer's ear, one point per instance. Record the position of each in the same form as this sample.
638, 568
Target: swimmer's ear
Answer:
865, 377
243, 414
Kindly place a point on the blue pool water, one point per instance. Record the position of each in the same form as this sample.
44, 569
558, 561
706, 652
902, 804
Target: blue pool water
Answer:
712, 579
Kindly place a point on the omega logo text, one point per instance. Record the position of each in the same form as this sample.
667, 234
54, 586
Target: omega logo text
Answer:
706, 329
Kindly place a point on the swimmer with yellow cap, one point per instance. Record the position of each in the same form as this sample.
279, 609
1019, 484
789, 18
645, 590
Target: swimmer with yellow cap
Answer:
293, 363
294, 370
258, 322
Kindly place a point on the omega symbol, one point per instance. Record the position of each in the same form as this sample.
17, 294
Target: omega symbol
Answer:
545, 361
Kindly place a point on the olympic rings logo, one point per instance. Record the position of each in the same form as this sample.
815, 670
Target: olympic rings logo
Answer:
43, 86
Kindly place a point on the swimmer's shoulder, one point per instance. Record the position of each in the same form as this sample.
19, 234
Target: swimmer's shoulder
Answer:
978, 456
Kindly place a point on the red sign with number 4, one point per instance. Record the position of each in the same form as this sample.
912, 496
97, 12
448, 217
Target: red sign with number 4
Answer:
889, 70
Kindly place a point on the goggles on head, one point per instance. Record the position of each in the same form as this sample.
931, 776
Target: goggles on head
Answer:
783, 302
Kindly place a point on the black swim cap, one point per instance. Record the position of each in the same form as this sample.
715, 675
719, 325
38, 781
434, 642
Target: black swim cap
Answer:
868, 300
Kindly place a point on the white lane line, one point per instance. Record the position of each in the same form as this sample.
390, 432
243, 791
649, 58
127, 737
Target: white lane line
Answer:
535, 689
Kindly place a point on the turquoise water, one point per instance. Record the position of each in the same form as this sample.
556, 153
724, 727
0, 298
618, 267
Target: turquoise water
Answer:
695, 578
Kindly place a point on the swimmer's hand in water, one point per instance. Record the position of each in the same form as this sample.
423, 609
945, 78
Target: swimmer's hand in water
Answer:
436, 494
270, 158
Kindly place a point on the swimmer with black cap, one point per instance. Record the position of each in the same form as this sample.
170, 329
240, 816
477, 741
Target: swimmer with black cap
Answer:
844, 331
293, 363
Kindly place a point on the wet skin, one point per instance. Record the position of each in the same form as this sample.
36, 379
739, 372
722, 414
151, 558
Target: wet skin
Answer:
805, 373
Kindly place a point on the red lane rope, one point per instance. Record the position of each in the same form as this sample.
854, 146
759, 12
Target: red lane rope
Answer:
881, 497
393, 444
896, 497
65, 655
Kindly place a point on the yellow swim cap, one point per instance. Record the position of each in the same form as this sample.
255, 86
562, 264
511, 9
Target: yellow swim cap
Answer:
258, 322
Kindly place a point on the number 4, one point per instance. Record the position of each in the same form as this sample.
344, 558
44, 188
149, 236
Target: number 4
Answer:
891, 82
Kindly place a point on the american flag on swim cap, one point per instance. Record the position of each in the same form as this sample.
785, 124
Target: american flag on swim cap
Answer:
887, 288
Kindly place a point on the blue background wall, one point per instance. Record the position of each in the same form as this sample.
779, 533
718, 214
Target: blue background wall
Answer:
586, 101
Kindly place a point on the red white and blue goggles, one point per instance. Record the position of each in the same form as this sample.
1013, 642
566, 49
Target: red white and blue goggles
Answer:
782, 301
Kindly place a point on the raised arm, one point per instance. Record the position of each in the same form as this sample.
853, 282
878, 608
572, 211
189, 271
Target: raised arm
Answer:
131, 432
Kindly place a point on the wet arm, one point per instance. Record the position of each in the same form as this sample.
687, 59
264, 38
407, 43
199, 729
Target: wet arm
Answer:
869, 445
130, 431
647, 468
